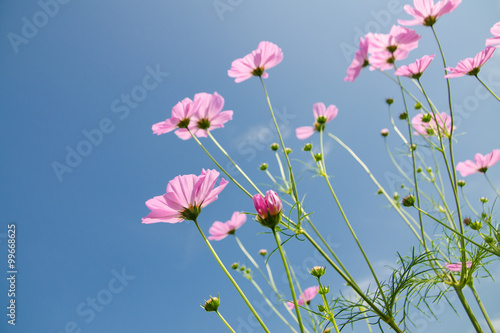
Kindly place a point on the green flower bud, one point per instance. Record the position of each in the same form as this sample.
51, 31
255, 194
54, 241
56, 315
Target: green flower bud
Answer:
483, 199
490, 240
318, 271
380, 191
418, 106
461, 183
212, 304
384, 132
389, 101
413, 147
321, 308
235, 265
275, 146
248, 271
288, 150
476, 225
408, 201
419, 170
318, 157
429, 170
263, 252
263, 167
396, 196
403, 116
308, 147
242, 268
426, 118
323, 290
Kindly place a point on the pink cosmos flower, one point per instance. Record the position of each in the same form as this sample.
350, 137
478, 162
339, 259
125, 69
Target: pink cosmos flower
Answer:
481, 163
305, 298
385, 49
185, 197
457, 267
208, 115
266, 56
269, 208
495, 31
429, 128
360, 61
427, 13
415, 69
220, 230
323, 116
181, 119
471, 66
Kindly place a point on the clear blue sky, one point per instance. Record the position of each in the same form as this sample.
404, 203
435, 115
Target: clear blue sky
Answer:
74, 72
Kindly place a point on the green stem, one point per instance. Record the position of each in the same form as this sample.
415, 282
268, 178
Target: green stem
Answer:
290, 282
328, 311
468, 310
487, 88
235, 284
225, 322
491, 184
481, 306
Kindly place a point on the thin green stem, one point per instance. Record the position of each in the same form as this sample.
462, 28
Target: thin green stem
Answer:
225, 322
290, 282
328, 311
235, 284
468, 310
487, 88
481, 306
491, 184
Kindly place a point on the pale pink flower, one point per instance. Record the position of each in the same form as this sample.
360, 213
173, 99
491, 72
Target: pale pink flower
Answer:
305, 298
457, 267
495, 31
323, 116
471, 66
220, 230
181, 119
385, 49
430, 128
426, 12
268, 208
481, 163
208, 115
415, 69
360, 61
256, 63
185, 197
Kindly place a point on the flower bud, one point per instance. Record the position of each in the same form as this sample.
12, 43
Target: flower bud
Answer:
318, 271
269, 208
384, 132
490, 240
413, 147
288, 150
476, 225
403, 116
275, 146
467, 221
235, 265
483, 199
389, 101
308, 147
318, 157
242, 268
263, 167
461, 183
418, 106
321, 308
426, 118
396, 196
323, 290
380, 191
212, 304
429, 170
328, 330
419, 170
408, 201
263, 252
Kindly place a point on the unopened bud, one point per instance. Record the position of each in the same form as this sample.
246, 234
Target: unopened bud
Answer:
418, 106
389, 101
275, 146
321, 308
308, 147
467, 221
419, 170
263, 167
288, 150
318, 157
426, 118
429, 170
242, 268
318, 271
476, 225
212, 304
413, 147
323, 290
235, 265
263, 252
403, 116
396, 196
408, 201
483, 199
384, 132
489, 239
461, 183
380, 191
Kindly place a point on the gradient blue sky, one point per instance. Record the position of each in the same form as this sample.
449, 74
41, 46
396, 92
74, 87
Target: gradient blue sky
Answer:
77, 231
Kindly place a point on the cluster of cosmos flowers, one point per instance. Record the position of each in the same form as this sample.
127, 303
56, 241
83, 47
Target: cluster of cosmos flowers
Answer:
186, 195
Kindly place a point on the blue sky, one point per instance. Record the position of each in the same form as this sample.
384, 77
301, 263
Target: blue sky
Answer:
94, 76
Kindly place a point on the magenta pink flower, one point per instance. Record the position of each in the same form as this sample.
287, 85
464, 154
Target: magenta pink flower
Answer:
265, 57
471, 66
481, 163
385, 49
427, 13
415, 69
495, 31
457, 267
429, 128
208, 115
185, 197
220, 230
360, 61
181, 119
268, 208
323, 116
305, 298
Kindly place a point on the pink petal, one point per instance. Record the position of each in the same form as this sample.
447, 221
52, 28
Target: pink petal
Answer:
304, 132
